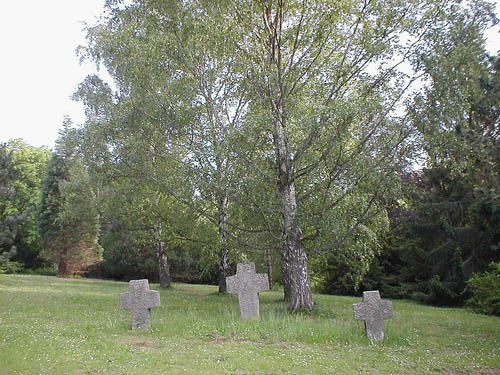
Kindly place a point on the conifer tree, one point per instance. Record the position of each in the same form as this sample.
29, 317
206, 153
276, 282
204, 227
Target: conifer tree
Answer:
68, 216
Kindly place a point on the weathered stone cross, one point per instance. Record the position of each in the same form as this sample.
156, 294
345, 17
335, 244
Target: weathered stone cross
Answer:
373, 311
139, 300
247, 285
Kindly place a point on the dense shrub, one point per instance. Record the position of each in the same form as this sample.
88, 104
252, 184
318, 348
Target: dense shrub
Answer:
6, 265
485, 289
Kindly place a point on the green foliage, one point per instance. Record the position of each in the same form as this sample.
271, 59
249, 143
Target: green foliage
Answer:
42, 271
21, 167
6, 266
457, 115
51, 198
137, 220
211, 96
343, 271
266, 122
485, 290
10, 219
30, 164
443, 234
447, 226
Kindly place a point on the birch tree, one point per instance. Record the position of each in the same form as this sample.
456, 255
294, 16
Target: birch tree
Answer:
292, 110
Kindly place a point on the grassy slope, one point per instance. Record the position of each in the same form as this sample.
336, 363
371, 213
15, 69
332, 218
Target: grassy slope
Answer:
54, 326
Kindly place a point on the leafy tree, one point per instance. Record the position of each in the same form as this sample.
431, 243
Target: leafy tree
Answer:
30, 164
458, 113
204, 141
8, 266
9, 220
133, 243
324, 121
445, 244
313, 96
140, 224
440, 235
345, 271
150, 225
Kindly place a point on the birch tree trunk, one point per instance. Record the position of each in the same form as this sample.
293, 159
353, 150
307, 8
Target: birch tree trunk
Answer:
295, 273
269, 268
164, 267
285, 273
224, 250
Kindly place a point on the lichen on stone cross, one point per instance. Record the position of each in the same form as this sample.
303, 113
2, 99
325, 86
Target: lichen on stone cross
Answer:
247, 285
139, 300
373, 311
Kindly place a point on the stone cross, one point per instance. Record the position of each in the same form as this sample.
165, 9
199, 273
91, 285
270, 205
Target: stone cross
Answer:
373, 311
247, 285
139, 300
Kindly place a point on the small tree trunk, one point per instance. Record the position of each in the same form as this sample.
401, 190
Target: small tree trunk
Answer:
164, 267
224, 267
269, 268
62, 266
161, 253
285, 275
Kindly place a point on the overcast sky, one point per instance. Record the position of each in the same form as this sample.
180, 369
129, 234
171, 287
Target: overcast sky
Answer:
40, 70
39, 67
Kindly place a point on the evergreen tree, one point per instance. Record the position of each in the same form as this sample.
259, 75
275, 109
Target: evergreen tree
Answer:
441, 234
68, 216
446, 226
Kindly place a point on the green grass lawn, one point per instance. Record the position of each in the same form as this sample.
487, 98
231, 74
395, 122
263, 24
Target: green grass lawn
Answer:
55, 326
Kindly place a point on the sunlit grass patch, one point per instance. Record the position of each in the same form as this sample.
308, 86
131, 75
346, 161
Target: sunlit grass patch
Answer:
59, 326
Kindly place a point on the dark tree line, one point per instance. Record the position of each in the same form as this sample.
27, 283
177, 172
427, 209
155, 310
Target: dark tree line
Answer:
446, 225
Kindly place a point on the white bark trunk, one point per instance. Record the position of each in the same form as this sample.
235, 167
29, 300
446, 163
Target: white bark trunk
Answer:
224, 267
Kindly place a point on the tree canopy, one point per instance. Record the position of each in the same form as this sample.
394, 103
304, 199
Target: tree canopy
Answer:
283, 131
304, 104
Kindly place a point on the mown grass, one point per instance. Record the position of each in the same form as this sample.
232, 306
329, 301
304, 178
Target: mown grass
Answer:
55, 326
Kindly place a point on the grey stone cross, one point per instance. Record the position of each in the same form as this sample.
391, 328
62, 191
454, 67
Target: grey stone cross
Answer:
373, 311
247, 285
139, 300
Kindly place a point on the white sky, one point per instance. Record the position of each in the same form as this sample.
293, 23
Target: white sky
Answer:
39, 69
